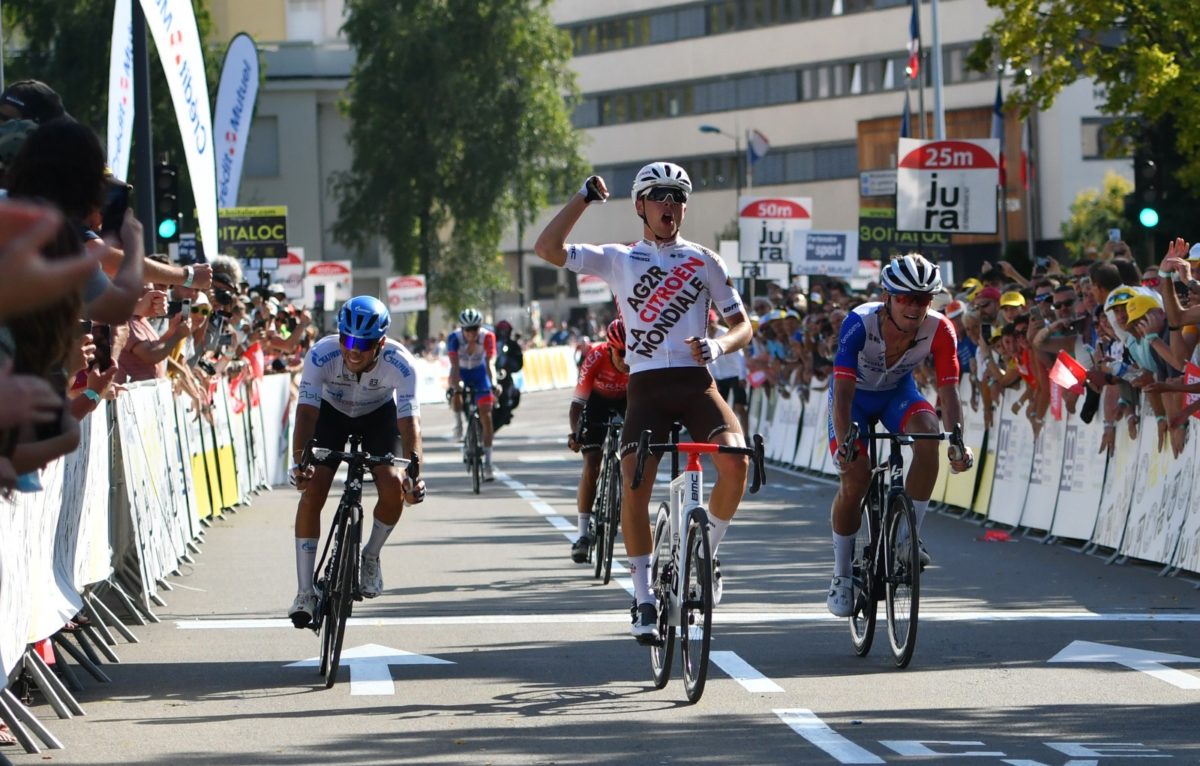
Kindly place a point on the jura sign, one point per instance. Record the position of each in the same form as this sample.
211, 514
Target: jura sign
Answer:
947, 186
765, 226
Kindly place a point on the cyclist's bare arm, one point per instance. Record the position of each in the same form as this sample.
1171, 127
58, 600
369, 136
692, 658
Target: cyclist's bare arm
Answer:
302, 434
454, 375
739, 333
551, 245
951, 406
410, 442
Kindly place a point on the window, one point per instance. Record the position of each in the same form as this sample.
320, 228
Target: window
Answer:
304, 20
543, 282
262, 148
1097, 143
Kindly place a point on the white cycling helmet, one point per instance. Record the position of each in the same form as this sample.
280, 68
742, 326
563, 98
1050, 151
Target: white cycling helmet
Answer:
470, 318
911, 273
660, 174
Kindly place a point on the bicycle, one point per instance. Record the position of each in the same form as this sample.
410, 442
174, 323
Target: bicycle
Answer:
472, 437
606, 508
680, 574
881, 568
338, 586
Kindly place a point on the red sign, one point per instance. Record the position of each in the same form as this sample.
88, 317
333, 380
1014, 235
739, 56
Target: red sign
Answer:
328, 269
949, 155
399, 283
775, 208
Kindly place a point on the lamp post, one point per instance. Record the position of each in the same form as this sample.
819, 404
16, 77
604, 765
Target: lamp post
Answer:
737, 158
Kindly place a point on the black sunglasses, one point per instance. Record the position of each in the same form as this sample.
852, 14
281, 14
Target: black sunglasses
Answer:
1043, 297
1063, 304
667, 194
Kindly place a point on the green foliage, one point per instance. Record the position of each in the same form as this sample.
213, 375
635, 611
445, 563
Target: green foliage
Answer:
65, 44
1137, 51
1093, 213
460, 126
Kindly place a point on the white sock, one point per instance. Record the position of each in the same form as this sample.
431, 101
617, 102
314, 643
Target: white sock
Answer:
458, 419
306, 562
379, 535
919, 509
716, 531
582, 520
843, 555
487, 455
639, 571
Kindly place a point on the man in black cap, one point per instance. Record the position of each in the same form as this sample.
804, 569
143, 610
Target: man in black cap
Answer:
31, 100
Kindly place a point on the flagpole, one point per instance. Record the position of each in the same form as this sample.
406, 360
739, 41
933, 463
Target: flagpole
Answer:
1026, 171
939, 109
1001, 191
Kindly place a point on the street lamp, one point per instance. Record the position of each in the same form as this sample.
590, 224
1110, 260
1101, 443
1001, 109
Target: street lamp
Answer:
737, 158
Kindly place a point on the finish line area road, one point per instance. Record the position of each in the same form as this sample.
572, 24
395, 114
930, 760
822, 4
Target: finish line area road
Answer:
489, 646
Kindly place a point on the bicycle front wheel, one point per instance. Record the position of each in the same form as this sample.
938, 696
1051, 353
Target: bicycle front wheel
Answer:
662, 580
902, 561
696, 622
866, 601
599, 522
612, 518
475, 455
340, 599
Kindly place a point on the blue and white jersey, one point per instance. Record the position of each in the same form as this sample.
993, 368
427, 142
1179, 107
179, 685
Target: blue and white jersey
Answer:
393, 376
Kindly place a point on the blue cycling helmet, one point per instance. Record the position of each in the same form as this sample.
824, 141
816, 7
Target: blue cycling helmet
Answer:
364, 317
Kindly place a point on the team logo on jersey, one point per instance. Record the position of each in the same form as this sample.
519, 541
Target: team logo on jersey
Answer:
394, 358
660, 299
321, 361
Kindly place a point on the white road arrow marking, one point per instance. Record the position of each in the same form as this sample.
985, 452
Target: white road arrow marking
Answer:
806, 723
1151, 663
744, 673
370, 673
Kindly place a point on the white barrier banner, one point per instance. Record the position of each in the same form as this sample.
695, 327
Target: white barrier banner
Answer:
120, 90
173, 26
1045, 475
820, 445
1118, 490
810, 428
274, 392
1081, 483
960, 487
1187, 553
81, 547
1156, 513
231, 120
1014, 458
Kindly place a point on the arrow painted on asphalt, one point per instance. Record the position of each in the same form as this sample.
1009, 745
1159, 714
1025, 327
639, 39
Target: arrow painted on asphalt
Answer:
1151, 663
369, 664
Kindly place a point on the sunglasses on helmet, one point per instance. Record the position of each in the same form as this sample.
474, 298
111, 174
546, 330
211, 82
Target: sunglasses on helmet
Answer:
351, 343
666, 194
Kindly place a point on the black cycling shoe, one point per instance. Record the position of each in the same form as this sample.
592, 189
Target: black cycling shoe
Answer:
580, 549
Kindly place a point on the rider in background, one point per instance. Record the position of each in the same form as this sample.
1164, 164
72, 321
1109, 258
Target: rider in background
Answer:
472, 352
509, 361
879, 345
356, 382
599, 394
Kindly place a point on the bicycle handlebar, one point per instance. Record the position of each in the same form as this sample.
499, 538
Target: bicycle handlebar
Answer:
849, 445
412, 466
755, 454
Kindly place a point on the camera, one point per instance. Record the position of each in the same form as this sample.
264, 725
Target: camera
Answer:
207, 366
102, 337
176, 307
116, 202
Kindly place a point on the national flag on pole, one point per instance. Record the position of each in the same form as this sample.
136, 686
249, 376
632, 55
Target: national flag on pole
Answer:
914, 42
756, 145
998, 131
906, 119
1068, 373
1026, 168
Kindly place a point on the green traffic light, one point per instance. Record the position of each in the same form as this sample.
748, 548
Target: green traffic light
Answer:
1148, 217
168, 227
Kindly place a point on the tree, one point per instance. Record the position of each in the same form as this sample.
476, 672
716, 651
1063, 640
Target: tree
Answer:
65, 44
1093, 213
1136, 51
460, 126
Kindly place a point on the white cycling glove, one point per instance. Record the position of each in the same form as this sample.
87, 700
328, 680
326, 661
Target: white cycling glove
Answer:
710, 349
591, 191
295, 470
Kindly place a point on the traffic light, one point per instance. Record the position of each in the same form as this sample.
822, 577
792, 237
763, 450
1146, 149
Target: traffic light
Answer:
166, 202
1147, 191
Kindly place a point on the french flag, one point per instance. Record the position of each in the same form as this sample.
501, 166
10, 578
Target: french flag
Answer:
998, 131
914, 42
756, 145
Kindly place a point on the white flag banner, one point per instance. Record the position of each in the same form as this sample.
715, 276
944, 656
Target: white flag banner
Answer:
407, 294
172, 23
947, 186
120, 90
231, 120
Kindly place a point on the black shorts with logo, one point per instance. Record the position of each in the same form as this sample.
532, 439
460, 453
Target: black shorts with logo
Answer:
377, 428
596, 413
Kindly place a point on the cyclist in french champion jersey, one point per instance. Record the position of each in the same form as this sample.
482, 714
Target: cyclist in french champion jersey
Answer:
879, 345
664, 286
472, 352
356, 382
599, 394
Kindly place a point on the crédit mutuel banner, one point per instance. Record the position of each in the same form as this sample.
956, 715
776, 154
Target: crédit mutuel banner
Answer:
231, 120
172, 24
120, 90
947, 186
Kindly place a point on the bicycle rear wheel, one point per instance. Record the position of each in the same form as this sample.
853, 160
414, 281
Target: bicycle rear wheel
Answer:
613, 520
903, 578
866, 596
696, 622
661, 579
599, 522
340, 599
475, 454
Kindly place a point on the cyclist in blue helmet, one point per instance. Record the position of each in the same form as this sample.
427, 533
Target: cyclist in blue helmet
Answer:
360, 382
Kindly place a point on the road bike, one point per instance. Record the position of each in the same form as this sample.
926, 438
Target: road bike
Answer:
887, 553
680, 575
338, 585
472, 437
606, 509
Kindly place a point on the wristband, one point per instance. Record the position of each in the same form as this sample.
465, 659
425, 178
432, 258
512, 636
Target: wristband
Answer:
189, 274
1151, 337
89, 393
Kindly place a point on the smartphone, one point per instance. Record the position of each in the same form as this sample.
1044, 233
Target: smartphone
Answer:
1043, 262
116, 202
102, 337
176, 307
1114, 235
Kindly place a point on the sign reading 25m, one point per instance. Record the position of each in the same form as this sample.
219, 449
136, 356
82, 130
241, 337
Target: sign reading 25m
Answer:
947, 186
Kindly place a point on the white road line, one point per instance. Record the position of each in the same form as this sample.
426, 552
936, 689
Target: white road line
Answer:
561, 524
543, 508
742, 672
806, 724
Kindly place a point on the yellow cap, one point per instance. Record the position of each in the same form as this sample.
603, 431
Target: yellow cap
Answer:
971, 288
997, 331
1012, 298
1138, 306
1119, 297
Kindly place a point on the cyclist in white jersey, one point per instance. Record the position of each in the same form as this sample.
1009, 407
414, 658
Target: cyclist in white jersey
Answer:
356, 382
879, 345
664, 286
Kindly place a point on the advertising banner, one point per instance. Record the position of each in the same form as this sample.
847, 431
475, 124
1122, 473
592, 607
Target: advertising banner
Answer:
406, 294
832, 253
592, 289
947, 186
878, 238
254, 232
326, 282
765, 226
120, 90
231, 120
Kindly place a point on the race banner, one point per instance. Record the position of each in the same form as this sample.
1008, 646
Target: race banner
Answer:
593, 289
407, 294
879, 240
947, 186
832, 253
254, 232
231, 120
1192, 377
326, 282
172, 23
120, 90
765, 226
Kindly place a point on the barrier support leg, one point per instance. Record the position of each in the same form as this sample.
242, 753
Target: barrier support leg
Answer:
141, 606
70, 680
51, 688
81, 659
99, 626
100, 612
130, 608
104, 648
14, 713
193, 548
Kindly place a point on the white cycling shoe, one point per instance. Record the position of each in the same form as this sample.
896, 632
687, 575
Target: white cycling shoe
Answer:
370, 577
840, 600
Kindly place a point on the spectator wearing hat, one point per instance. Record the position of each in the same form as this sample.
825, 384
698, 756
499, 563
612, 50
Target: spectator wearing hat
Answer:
31, 100
1012, 304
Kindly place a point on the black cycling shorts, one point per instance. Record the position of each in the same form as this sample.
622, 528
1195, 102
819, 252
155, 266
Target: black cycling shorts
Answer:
596, 412
377, 428
658, 398
725, 385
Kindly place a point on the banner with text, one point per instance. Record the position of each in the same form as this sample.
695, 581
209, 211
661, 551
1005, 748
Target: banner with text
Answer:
879, 240
831, 253
120, 90
947, 186
406, 294
765, 226
235, 108
326, 282
592, 289
254, 232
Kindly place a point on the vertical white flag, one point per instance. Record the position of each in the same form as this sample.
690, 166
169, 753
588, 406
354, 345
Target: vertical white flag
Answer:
120, 90
172, 23
231, 120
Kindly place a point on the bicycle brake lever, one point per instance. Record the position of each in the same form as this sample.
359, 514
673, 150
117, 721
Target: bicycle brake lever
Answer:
760, 470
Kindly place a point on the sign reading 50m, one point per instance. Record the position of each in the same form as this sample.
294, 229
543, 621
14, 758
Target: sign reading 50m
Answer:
947, 186
765, 226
